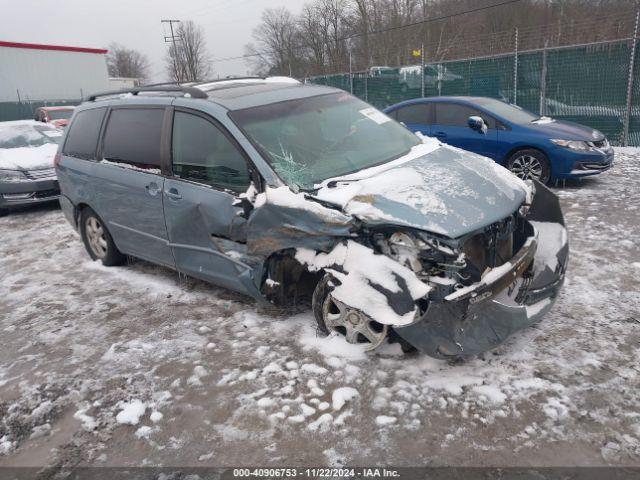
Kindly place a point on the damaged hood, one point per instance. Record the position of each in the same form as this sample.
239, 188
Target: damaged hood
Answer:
446, 191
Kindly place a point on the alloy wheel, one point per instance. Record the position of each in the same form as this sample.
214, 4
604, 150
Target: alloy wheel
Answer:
356, 327
96, 237
527, 167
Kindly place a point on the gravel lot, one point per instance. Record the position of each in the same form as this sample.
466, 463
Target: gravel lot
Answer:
136, 366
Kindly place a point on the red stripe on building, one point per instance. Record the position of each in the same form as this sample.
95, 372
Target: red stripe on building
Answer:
60, 48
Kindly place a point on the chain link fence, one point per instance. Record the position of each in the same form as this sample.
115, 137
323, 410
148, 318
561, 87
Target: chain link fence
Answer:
596, 84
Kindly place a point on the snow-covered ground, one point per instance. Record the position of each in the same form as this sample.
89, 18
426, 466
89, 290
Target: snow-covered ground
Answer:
136, 366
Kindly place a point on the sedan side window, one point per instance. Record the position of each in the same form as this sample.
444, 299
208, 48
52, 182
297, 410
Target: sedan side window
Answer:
456, 115
203, 154
417, 114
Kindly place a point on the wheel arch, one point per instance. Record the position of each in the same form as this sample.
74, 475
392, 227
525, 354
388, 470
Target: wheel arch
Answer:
518, 148
291, 280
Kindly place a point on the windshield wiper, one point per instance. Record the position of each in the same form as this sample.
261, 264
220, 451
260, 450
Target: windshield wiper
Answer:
334, 183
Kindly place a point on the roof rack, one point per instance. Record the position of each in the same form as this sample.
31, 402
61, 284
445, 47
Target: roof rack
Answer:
192, 91
230, 79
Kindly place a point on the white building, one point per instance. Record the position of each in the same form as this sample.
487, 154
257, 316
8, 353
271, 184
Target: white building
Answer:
49, 73
123, 83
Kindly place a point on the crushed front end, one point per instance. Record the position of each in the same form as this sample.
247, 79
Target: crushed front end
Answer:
487, 285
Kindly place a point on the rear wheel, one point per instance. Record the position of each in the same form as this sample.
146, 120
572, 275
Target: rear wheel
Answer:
4, 212
97, 239
529, 165
333, 315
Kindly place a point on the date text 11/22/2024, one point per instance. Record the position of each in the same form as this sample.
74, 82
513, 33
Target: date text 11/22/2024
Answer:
315, 473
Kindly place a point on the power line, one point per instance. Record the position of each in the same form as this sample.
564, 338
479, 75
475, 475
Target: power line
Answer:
173, 39
384, 30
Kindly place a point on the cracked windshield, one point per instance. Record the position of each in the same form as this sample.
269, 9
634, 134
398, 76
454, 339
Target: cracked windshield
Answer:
312, 139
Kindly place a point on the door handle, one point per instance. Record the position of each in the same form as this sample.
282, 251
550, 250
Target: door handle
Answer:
152, 188
173, 194
440, 134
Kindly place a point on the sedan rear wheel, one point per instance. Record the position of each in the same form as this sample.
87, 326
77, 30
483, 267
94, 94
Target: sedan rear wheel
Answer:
530, 165
334, 315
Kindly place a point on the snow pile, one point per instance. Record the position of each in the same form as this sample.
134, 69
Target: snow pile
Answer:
131, 412
88, 422
361, 269
341, 396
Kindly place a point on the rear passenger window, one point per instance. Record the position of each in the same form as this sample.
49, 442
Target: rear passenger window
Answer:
419, 113
203, 154
458, 115
82, 138
133, 136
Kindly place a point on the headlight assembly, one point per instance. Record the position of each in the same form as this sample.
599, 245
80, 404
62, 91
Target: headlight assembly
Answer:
577, 145
12, 176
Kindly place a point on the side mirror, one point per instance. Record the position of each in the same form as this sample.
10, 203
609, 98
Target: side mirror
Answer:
477, 124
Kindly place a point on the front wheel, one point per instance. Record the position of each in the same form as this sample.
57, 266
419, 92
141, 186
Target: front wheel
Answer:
97, 239
530, 165
333, 315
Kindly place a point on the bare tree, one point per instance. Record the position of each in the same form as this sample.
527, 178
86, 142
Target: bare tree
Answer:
386, 32
274, 47
189, 60
127, 62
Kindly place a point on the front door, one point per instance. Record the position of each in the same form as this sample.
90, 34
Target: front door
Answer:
451, 127
204, 218
129, 190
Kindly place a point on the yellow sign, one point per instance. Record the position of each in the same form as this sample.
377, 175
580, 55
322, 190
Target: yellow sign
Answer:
417, 53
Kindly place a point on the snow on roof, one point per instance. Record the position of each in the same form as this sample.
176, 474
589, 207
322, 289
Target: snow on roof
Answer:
58, 107
231, 81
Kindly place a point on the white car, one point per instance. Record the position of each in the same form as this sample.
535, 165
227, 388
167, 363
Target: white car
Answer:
27, 151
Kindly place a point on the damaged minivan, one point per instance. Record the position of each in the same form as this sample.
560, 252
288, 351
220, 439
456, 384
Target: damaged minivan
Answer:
286, 192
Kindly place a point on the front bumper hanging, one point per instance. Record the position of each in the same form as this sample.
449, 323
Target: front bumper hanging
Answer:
513, 296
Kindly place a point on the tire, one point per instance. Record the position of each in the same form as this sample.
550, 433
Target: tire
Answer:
319, 296
530, 164
4, 212
97, 239
354, 325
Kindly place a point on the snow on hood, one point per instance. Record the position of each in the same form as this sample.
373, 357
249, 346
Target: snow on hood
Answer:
446, 190
28, 158
566, 130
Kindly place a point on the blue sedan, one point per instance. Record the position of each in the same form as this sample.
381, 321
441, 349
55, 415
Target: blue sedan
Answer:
527, 144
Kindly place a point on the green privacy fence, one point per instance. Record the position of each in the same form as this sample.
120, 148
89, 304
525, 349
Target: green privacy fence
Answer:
587, 84
26, 109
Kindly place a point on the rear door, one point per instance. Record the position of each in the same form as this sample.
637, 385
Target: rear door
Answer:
451, 127
129, 182
417, 117
205, 220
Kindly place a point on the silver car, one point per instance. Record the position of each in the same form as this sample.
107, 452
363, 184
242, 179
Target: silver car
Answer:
288, 192
27, 151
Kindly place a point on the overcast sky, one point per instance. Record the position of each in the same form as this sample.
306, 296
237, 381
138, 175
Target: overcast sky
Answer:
136, 24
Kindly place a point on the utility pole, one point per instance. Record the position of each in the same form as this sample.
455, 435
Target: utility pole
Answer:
172, 39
